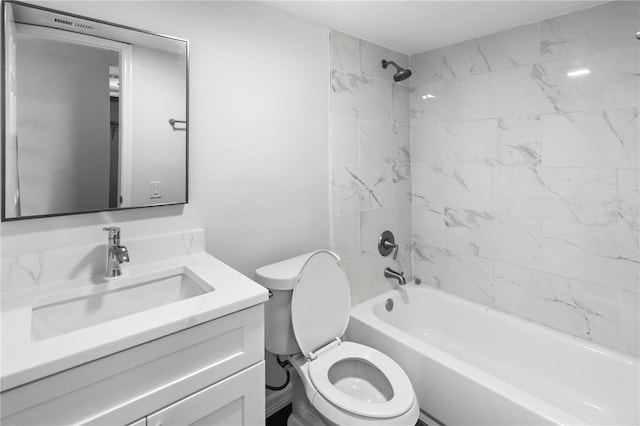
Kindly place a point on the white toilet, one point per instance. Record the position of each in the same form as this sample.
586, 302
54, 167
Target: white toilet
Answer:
338, 383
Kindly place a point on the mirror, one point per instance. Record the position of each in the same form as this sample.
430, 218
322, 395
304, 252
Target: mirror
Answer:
95, 115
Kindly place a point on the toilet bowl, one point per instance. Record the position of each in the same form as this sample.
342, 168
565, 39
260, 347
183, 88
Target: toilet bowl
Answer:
337, 382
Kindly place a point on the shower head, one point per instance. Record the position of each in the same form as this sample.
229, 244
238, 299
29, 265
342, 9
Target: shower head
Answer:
402, 73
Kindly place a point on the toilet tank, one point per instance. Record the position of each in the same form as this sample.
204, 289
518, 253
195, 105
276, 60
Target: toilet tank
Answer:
280, 278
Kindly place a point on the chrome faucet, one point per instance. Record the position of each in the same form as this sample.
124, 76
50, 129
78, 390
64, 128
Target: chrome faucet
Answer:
390, 273
116, 254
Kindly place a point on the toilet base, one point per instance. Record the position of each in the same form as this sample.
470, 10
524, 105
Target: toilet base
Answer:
302, 413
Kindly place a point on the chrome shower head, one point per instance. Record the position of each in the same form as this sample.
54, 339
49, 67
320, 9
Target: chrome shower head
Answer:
402, 73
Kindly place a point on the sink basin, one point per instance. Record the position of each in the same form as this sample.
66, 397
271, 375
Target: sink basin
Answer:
53, 316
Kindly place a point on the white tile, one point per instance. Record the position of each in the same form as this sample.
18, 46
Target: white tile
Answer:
593, 91
396, 219
468, 186
427, 143
506, 239
458, 273
345, 231
345, 142
582, 309
384, 143
366, 277
602, 139
585, 196
463, 60
358, 97
464, 186
361, 281
470, 142
519, 191
426, 67
361, 188
629, 198
520, 92
592, 253
511, 48
630, 319
400, 100
465, 99
427, 225
401, 183
344, 52
518, 164
371, 56
590, 30
627, 84
518, 142
499, 51
427, 183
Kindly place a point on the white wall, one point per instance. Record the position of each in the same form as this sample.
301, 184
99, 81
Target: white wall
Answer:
258, 135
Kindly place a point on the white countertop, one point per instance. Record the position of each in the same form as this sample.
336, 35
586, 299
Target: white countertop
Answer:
24, 360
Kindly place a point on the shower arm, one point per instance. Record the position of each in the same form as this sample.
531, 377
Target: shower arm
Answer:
386, 63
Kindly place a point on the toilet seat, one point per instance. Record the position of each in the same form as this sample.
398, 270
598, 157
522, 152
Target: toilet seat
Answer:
403, 396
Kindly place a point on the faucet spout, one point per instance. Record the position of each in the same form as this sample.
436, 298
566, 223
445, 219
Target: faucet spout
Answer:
116, 254
390, 273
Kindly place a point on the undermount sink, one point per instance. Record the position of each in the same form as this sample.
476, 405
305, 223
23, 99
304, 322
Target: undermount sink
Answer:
54, 316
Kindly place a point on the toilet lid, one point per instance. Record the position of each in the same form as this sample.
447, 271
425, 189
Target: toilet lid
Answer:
321, 302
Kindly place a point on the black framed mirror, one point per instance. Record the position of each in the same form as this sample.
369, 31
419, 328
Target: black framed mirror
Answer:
95, 115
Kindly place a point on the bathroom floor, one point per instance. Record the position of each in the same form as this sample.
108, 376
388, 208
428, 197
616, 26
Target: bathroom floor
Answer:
280, 418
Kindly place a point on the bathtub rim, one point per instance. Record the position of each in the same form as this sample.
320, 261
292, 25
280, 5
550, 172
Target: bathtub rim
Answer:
365, 309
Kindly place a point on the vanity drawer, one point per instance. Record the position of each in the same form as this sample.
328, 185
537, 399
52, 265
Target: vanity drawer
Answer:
232, 401
128, 385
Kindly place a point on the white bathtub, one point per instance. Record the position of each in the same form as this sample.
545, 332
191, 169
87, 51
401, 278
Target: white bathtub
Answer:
473, 365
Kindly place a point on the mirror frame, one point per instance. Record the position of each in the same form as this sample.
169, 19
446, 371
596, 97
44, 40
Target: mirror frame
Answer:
3, 123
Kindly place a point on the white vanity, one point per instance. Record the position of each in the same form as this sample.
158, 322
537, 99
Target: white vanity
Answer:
177, 339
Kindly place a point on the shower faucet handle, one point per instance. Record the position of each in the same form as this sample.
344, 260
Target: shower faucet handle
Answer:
387, 244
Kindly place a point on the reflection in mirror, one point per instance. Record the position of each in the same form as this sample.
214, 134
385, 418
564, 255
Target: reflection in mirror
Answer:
87, 108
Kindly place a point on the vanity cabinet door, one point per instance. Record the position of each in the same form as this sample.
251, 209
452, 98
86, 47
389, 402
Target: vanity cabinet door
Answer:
236, 400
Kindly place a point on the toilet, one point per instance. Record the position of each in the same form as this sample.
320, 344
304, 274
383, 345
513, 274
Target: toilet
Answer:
337, 382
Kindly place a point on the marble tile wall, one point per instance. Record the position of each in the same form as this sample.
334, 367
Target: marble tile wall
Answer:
371, 172
525, 180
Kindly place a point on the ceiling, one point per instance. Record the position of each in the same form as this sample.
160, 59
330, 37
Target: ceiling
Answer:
416, 26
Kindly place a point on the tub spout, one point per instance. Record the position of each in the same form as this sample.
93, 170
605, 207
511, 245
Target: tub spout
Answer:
390, 273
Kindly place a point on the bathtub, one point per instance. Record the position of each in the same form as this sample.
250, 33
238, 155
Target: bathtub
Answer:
473, 365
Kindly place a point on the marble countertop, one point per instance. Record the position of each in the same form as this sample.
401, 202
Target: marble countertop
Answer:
24, 359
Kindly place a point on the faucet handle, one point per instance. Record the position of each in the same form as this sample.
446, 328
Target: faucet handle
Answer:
386, 244
114, 231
